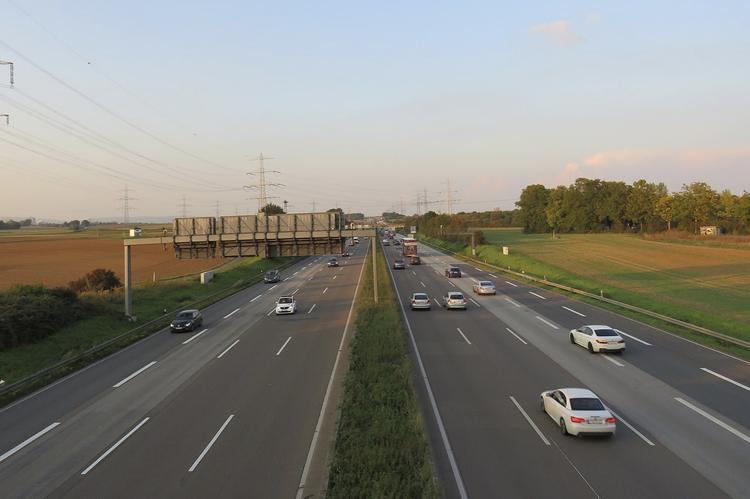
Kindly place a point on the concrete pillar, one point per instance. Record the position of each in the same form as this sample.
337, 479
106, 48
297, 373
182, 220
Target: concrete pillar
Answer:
128, 283
374, 269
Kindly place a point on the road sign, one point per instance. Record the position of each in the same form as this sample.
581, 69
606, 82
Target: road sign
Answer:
413, 229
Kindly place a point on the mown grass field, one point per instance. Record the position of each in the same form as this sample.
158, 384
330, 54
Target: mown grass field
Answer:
704, 285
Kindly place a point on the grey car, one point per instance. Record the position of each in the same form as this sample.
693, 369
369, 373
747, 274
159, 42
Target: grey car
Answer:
399, 264
272, 276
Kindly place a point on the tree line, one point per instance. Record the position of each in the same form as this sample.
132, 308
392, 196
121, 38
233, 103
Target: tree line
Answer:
594, 205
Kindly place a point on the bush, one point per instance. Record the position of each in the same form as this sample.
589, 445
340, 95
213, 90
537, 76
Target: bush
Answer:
96, 280
30, 313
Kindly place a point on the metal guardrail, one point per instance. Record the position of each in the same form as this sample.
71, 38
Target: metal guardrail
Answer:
162, 321
693, 327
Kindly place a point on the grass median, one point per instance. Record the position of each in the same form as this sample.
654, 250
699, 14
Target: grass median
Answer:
381, 446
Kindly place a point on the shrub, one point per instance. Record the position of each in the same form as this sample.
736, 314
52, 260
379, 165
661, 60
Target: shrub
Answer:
96, 280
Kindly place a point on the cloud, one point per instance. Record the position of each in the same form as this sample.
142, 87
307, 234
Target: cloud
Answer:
593, 18
558, 33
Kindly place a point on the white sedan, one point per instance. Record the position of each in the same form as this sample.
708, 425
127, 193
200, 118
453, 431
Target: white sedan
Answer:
597, 339
578, 411
286, 305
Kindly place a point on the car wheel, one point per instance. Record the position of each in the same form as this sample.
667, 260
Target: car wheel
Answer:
563, 428
572, 340
591, 348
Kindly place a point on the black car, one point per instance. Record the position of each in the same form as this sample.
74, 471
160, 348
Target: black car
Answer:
415, 260
399, 264
452, 272
272, 276
333, 262
187, 320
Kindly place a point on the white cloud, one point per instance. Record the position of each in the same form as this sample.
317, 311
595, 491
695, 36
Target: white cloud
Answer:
558, 33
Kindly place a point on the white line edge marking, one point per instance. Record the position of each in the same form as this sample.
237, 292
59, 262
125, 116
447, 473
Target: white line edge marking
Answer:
511, 283
726, 379
714, 419
324, 291
139, 371
115, 446
210, 444
632, 428
574, 311
193, 337
228, 349
283, 346
634, 338
513, 303
312, 308
433, 403
547, 322
517, 337
230, 314
474, 302
463, 335
606, 356
528, 420
255, 298
28, 441
537, 295
295, 291
326, 397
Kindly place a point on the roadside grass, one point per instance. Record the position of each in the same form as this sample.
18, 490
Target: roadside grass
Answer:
381, 446
678, 295
105, 319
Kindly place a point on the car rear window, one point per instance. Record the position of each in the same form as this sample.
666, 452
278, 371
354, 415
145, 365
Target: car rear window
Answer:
455, 296
420, 296
586, 404
605, 332
485, 283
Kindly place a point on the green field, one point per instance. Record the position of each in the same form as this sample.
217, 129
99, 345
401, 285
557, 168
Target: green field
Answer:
704, 285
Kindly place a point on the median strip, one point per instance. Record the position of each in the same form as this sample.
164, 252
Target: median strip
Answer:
139, 371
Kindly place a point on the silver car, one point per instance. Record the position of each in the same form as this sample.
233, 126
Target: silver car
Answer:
454, 300
420, 301
484, 288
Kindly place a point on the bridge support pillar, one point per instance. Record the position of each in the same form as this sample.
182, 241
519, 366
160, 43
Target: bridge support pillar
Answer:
128, 283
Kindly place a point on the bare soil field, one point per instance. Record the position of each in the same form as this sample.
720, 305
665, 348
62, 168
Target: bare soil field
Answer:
56, 261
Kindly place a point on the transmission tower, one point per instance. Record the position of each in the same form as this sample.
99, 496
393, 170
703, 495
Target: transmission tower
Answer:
184, 207
10, 66
448, 196
217, 209
262, 185
126, 208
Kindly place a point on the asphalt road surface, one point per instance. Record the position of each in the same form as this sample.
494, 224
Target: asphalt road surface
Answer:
683, 409
229, 410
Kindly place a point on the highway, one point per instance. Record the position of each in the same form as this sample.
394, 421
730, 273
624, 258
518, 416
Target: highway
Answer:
682, 408
230, 410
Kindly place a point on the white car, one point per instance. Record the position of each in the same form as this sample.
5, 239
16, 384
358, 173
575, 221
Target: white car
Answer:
286, 305
454, 299
420, 301
386, 242
597, 339
578, 411
484, 288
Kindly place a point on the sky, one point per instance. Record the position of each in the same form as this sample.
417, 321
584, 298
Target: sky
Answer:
362, 105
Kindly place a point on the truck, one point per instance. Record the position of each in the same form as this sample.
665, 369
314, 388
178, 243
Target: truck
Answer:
409, 246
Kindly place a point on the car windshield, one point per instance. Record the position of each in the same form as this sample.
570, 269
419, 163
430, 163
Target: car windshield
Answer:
586, 404
185, 315
285, 300
605, 332
420, 296
271, 273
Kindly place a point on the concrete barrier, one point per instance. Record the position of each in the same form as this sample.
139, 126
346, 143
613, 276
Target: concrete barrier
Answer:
207, 277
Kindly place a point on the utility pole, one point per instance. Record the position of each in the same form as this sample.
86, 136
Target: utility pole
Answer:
126, 199
10, 65
262, 185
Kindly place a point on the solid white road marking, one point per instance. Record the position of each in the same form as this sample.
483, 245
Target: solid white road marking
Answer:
512, 284
27, 441
230, 314
517, 337
312, 308
575, 312
606, 356
193, 337
462, 334
632, 428
547, 322
634, 338
228, 349
324, 291
538, 296
283, 346
210, 444
493, 275
255, 298
475, 303
116, 445
528, 420
714, 419
272, 287
513, 303
139, 371
726, 379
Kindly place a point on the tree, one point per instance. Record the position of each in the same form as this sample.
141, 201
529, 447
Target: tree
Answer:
555, 211
665, 209
697, 204
532, 204
96, 280
640, 207
272, 209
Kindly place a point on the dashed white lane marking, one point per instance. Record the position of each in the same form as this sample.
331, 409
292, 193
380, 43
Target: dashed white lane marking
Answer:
463, 335
528, 420
334, 278
193, 337
413, 272
272, 287
28, 441
228, 349
295, 291
139, 371
709, 371
538, 296
474, 302
477, 269
423, 285
517, 337
573, 311
449, 282
283, 346
437, 302
547, 322
210, 444
612, 360
513, 303
512, 284
116, 445
311, 278
632, 428
312, 308
634, 338
287, 278
255, 298
324, 291
296, 273
713, 419
271, 311
230, 314
493, 275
